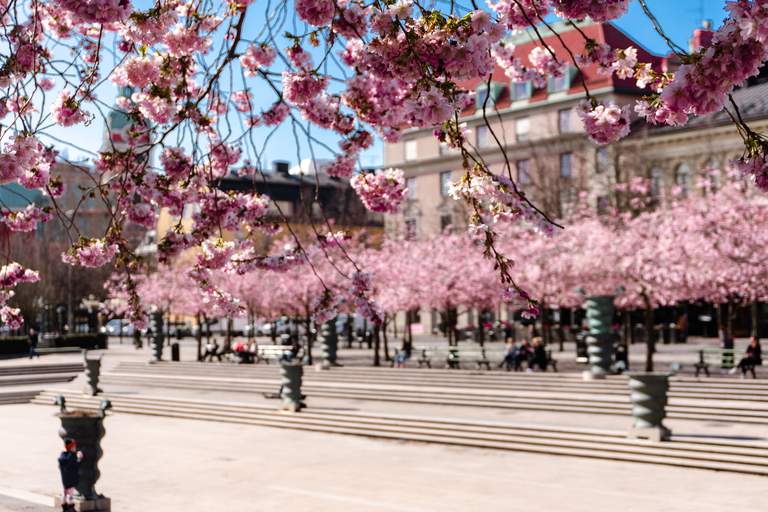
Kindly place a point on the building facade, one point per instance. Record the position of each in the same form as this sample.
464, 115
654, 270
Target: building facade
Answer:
536, 131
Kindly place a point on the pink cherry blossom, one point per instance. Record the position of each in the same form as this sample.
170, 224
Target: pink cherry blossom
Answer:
382, 191
605, 123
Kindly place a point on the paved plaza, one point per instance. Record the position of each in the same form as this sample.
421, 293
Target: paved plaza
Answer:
169, 464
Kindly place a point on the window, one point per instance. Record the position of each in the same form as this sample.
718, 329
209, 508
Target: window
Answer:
410, 150
602, 160
410, 183
564, 120
481, 93
445, 222
656, 182
683, 179
521, 90
559, 83
410, 229
712, 174
602, 204
566, 161
522, 129
484, 137
523, 172
445, 183
190, 210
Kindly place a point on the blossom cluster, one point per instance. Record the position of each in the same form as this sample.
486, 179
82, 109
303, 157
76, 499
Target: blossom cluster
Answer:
380, 191
604, 123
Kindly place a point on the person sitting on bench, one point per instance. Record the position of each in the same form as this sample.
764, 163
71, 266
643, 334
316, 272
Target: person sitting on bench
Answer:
524, 352
211, 351
753, 357
538, 356
510, 353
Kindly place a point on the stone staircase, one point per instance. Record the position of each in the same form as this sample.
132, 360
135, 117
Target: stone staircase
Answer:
21, 383
713, 454
690, 399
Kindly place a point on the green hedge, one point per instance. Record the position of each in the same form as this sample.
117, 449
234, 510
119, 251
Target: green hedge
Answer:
14, 345
89, 341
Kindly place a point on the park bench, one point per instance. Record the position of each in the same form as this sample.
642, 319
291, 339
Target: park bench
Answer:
424, 357
456, 355
270, 352
723, 357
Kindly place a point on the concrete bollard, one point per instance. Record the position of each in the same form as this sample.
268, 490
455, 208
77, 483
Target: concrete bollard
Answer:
648, 394
92, 374
87, 429
600, 337
291, 374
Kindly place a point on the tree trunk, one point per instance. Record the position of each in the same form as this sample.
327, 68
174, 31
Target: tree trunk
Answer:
207, 328
168, 328
627, 319
308, 328
731, 317
376, 341
408, 322
385, 339
199, 338
650, 337
350, 330
394, 326
228, 339
755, 314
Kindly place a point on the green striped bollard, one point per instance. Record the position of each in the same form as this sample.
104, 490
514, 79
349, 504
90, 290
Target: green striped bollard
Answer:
329, 341
291, 374
600, 338
648, 394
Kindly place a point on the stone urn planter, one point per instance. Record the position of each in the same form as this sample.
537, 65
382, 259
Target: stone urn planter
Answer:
291, 374
648, 394
86, 427
600, 338
92, 374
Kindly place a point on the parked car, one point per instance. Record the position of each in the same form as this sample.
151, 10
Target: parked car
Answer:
114, 326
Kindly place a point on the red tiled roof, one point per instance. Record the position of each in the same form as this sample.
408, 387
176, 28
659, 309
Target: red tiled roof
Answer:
574, 40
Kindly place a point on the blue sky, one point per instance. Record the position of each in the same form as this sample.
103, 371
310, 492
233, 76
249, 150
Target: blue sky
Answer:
679, 18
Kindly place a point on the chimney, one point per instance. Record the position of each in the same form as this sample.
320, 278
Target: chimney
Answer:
281, 166
702, 37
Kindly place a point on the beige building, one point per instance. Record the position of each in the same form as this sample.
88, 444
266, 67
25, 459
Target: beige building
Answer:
538, 131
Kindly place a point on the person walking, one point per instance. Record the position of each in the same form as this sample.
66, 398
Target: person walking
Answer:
69, 467
32, 340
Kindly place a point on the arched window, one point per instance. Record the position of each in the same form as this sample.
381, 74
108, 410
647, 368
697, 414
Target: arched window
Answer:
683, 178
712, 173
656, 182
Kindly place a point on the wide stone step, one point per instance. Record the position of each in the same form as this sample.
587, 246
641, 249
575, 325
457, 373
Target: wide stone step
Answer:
738, 457
735, 389
21, 380
518, 401
18, 397
32, 369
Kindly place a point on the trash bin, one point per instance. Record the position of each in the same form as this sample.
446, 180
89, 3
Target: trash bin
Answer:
175, 354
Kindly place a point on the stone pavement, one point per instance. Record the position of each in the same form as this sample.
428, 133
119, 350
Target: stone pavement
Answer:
169, 465
165, 464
